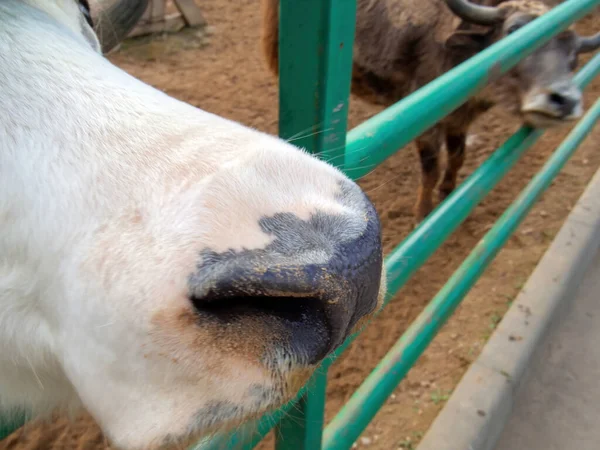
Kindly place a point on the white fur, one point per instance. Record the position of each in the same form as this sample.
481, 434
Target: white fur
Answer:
109, 189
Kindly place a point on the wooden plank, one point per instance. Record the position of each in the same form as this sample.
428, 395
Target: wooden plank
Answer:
170, 24
147, 14
155, 19
191, 12
158, 10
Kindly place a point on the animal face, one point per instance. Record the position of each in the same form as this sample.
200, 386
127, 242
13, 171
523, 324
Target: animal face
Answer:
172, 271
542, 83
540, 88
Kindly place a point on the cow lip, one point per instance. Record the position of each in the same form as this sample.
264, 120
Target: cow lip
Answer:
547, 114
542, 112
537, 119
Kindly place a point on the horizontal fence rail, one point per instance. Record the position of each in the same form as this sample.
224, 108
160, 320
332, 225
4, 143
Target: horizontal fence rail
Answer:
366, 146
372, 394
373, 141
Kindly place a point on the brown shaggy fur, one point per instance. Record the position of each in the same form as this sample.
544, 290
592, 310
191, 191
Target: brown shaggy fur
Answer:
400, 46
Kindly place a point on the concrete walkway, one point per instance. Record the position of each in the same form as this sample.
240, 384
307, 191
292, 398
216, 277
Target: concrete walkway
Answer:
558, 406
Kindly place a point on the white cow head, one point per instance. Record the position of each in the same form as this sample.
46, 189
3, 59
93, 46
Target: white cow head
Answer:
172, 271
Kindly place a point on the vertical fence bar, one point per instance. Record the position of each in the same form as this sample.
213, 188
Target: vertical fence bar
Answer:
302, 427
315, 69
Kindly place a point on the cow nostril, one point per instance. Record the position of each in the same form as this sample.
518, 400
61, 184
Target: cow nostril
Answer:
564, 103
305, 292
301, 322
558, 99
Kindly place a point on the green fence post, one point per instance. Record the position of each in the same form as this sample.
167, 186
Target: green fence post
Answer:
315, 69
10, 422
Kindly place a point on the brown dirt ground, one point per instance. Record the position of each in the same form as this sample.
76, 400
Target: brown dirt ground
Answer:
223, 73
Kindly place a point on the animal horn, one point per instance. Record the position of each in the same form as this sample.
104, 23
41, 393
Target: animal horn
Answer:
480, 15
588, 44
114, 22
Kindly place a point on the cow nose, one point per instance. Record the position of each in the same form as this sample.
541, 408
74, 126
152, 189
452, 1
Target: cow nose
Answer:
565, 99
308, 288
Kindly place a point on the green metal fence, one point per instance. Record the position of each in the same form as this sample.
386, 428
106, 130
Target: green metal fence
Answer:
316, 38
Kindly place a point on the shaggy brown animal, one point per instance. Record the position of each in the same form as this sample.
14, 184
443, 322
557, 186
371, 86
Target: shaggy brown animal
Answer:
401, 45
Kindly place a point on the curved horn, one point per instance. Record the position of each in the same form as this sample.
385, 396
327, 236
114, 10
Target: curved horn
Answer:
114, 22
480, 15
588, 44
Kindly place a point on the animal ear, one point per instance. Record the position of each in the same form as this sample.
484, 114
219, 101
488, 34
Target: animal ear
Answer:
470, 41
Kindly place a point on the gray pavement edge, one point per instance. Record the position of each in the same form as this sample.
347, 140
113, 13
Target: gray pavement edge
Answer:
476, 413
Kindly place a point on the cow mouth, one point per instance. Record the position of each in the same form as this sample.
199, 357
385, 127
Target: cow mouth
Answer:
537, 118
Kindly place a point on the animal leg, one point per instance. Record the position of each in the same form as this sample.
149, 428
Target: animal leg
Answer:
428, 146
455, 143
